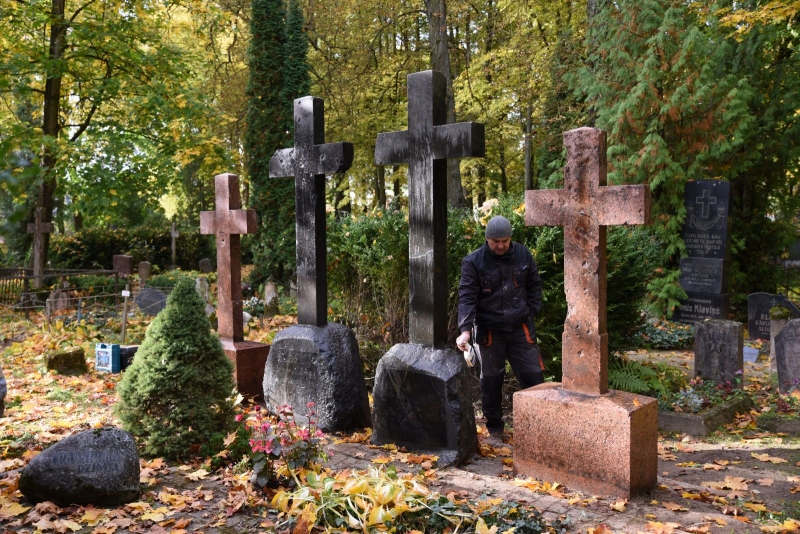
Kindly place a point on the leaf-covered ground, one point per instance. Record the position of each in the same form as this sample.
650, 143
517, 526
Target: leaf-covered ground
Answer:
740, 480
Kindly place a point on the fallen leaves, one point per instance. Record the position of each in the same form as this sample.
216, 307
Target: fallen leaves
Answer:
768, 458
198, 475
619, 506
672, 507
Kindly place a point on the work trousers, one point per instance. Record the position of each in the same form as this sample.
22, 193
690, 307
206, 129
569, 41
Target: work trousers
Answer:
522, 353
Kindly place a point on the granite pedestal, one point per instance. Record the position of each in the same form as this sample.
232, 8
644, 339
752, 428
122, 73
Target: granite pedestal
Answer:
601, 444
319, 364
248, 359
422, 401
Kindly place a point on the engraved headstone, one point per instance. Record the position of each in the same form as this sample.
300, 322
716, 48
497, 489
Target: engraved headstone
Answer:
706, 232
426, 146
98, 467
787, 355
270, 299
315, 361
206, 266
579, 432
758, 306
122, 264
227, 223
38, 229
145, 268
201, 284
150, 301
719, 352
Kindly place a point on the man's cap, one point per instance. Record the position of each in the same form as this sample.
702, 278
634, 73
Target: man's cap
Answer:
498, 228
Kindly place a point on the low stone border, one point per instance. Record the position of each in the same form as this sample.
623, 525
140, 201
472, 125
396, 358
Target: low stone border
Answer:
778, 423
706, 422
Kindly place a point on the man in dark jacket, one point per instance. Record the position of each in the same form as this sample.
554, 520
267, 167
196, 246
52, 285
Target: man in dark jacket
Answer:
500, 295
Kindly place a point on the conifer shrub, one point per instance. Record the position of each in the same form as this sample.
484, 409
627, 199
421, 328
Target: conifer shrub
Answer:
178, 391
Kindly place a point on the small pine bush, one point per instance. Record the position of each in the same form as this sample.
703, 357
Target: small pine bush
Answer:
178, 391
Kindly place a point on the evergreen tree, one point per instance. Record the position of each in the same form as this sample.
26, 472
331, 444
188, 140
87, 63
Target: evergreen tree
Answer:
273, 247
177, 393
296, 81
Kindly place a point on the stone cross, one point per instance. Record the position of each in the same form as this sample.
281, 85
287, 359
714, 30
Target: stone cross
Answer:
309, 161
426, 146
38, 228
585, 207
173, 234
228, 222
705, 201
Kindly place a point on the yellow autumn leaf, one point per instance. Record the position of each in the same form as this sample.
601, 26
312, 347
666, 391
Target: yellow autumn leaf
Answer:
756, 507
619, 506
672, 507
72, 525
382, 460
200, 474
768, 458
12, 509
482, 528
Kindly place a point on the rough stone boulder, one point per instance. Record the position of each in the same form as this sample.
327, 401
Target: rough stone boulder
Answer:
99, 467
70, 361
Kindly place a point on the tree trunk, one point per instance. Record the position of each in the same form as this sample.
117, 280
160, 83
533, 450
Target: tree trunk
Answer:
395, 184
481, 186
503, 174
440, 60
50, 124
528, 163
380, 186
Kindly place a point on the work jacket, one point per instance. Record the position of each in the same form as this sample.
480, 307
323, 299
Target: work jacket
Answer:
499, 292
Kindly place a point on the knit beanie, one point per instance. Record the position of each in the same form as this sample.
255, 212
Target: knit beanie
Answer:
498, 228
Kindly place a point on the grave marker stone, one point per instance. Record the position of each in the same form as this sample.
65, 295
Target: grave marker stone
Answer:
704, 274
578, 432
424, 364
719, 351
206, 266
98, 467
150, 300
38, 229
145, 268
227, 223
122, 264
315, 361
758, 306
787, 355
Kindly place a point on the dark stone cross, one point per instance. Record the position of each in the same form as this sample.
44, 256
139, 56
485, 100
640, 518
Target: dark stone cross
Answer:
38, 228
228, 222
705, 201
309, 161
426, 146
585, 207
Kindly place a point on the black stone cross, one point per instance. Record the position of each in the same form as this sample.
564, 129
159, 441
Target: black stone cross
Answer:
38, 228
705, 202
309, 161
426, 146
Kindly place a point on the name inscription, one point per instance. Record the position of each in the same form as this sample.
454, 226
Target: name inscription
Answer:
89, 461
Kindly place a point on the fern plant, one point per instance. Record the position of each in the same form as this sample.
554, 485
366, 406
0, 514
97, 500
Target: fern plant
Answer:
637, 377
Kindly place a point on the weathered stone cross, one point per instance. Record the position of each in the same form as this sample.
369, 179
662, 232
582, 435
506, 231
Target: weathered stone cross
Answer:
585, 208
228, 222
173, 234
309, 161
38, 228
426, 146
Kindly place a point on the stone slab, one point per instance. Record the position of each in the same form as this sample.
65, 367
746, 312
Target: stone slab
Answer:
750, 354
600, 444
145, 268
122, 264
206, 266
422, 400
248, 359
702, 306
704, 275
151, 301
718, 352
704, 423
758, 306
99, 467
319, 364
706, 230
787, 356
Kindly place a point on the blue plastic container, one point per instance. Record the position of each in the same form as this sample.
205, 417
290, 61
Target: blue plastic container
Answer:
106, 357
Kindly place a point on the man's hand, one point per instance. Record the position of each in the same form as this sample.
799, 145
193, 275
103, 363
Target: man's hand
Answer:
463, 340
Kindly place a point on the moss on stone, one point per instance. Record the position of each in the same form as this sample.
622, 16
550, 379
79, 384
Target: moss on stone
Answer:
69, 361
779, 313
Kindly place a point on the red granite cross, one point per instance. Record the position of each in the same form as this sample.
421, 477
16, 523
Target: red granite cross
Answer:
228, 222
585, 207
38, 228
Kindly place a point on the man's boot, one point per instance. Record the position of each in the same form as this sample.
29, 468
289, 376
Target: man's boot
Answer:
492, 403
528, 380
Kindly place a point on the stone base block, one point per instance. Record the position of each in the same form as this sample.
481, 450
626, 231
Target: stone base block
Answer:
604, 445
248, 358
703, 424
422, 400
319, 364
